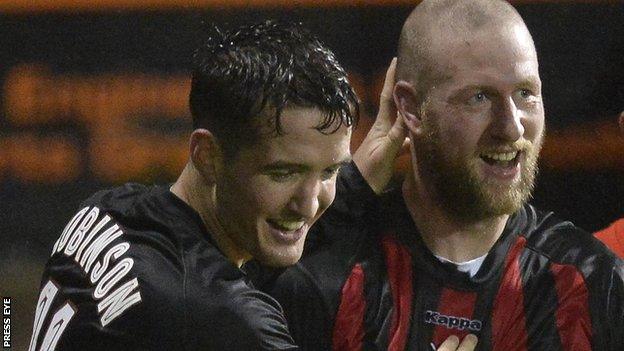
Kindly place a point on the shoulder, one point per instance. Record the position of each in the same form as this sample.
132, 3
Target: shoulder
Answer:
115, 276
559, 240
121, 197
574, 256
108, 234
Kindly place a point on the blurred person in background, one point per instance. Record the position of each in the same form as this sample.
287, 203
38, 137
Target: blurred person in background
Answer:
458, 250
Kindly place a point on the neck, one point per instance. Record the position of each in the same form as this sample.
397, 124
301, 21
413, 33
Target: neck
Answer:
193, 189
455, 239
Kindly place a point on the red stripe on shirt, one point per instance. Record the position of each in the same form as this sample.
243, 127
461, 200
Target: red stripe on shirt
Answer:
456, 305
399, 265
572, 315
508, 319
613, 237
348, 331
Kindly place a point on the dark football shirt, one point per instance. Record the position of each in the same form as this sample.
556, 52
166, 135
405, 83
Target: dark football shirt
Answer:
544, 285
135, 269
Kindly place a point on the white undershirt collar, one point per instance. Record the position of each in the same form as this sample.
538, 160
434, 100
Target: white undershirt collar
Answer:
471, 267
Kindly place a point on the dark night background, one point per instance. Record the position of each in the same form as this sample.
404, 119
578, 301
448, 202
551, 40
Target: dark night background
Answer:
580, 46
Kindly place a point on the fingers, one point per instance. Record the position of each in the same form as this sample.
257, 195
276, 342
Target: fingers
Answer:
398, 132
468, 344
386, 91
452, 343
386, 103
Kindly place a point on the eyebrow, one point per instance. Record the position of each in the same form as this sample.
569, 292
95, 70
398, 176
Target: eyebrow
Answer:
469, 88
530, 82
299, 166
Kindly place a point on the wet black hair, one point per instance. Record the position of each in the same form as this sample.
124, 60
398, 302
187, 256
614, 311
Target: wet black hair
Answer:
261, 69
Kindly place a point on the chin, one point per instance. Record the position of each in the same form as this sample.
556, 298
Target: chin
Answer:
280, 261
279, 250
504, 202
281, 257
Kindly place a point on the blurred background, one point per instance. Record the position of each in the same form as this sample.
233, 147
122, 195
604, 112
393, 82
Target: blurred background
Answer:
94, 94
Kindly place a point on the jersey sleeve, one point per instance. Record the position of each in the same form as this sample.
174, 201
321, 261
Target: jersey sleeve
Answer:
238, 318
589, 280
305, 309
353, 194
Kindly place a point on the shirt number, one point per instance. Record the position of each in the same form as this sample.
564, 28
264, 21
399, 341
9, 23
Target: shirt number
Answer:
59, 322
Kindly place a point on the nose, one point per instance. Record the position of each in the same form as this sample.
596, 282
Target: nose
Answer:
305, 201
507, 121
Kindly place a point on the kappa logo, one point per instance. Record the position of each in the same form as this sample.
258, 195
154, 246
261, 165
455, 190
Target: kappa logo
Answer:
452, 322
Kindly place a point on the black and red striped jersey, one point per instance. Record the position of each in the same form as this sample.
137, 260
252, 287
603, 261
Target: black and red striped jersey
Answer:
544, 285
136, 269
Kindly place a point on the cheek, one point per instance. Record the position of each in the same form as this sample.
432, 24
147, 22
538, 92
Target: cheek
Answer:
456, 140
455, 127
534, 126
269, 198
327, 196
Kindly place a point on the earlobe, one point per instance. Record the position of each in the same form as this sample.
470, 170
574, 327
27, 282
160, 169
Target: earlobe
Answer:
405, 98
205, 154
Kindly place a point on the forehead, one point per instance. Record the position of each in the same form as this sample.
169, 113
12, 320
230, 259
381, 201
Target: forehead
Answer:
499, 55
300, 141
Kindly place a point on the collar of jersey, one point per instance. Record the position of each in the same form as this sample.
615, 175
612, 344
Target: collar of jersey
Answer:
398, 220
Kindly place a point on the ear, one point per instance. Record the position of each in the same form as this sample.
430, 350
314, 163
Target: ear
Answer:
621, 121
206, 154
406, 101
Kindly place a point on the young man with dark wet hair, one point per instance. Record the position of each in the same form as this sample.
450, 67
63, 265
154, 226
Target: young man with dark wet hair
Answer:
457, 249
159, 267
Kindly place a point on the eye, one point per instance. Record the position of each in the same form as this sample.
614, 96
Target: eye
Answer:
526, 97
525, 93
477, 98
281, 175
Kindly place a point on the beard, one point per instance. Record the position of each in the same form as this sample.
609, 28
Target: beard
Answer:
458, 186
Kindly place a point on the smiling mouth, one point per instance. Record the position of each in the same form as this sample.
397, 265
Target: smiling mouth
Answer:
501, 159
286, 226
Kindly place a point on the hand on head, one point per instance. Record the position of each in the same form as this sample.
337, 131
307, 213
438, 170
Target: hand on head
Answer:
375, 156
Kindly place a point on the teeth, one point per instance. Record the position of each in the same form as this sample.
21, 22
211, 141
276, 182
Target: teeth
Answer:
505, 156
288, 225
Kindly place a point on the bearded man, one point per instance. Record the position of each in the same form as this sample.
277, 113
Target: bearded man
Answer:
457, 250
